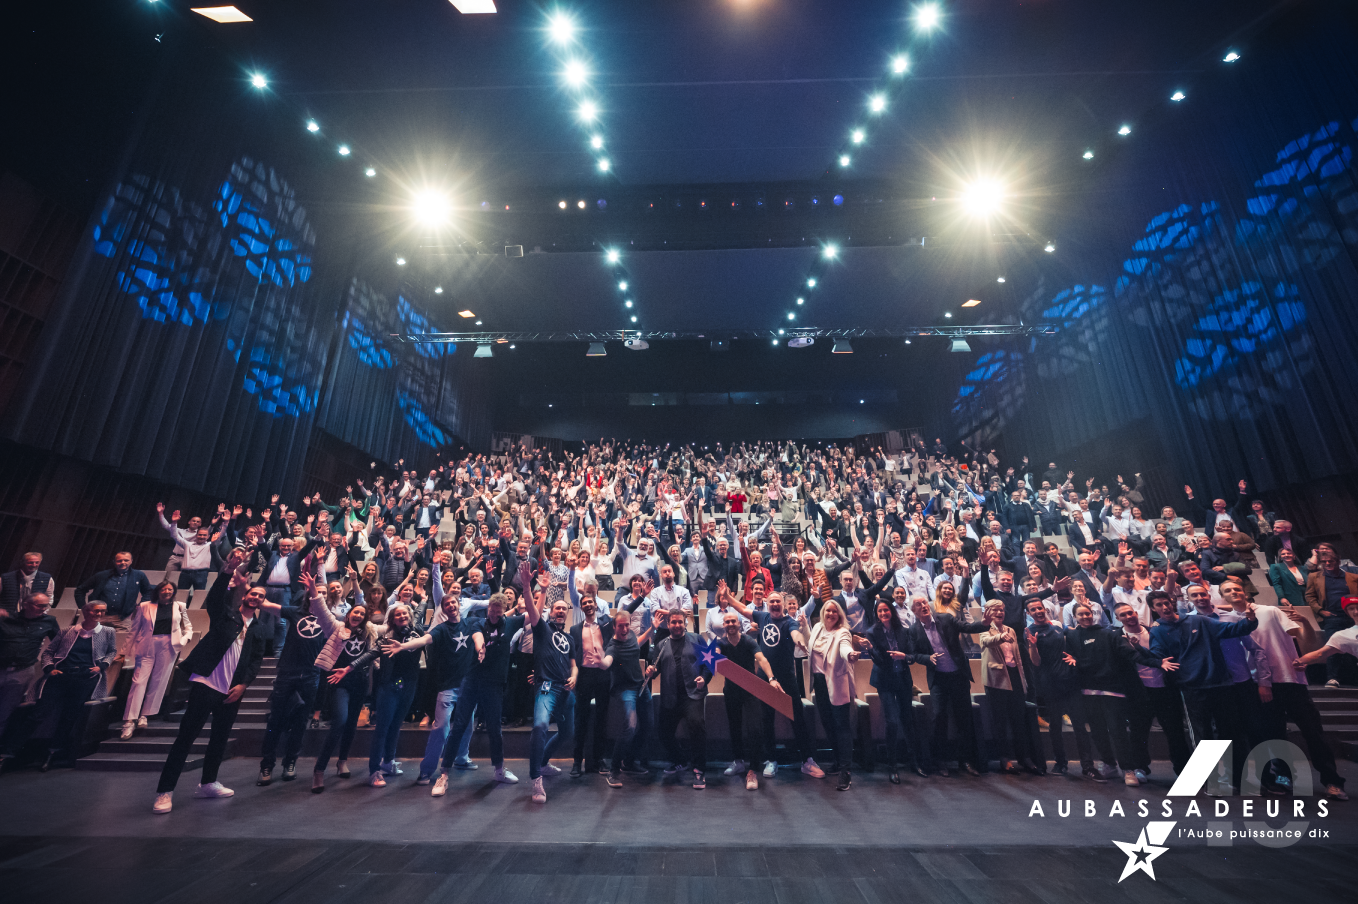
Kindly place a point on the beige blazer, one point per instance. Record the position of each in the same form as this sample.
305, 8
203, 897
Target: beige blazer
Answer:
838, 670
144, 628
993, 671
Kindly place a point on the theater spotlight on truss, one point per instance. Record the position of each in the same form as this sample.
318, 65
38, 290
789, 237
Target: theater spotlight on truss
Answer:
801, 341
483, 350
596, 350
959, 345
636, 345
841, 347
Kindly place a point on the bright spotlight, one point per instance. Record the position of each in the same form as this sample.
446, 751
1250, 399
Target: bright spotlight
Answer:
627, 303
588, 111
982, 198
429, 207
576, 73
791, 316
438, 290
780, 332
561, 28
843, 159
1230, 57
400, 262
877, 103
580, 204
1177, 96
900, 64
561, 204
622, 286
344, 150
597, 142
1000, 280
775, 342
926, 16
1049, 248
801, 301
947, 315
1089, 155
312, 125
370, 172
1125, 130
857, 136
612, 255
831, 252
634, 318
811, 283
603, 165
259, 81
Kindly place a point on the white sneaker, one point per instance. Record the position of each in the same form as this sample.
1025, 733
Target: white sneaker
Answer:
213, 789
164, 802
1332, 683
736, 767
1141, 776
770, 769
141, 722
1129, 778
440, 786
376, 780
539, 792
504, 775
391, 767
128, 728
549, 769
751, 781
811, 769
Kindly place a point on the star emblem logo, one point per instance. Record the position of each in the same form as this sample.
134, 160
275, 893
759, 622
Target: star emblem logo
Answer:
771, 635
1142, 852
561, 642
461, 640
308, 627
708, 654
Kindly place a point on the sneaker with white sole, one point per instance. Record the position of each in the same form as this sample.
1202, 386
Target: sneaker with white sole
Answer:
1129, 778
504, 775
549, 769
391, 767
440, 786
465, 767
1141, 776
376, 780
424, 779
811, 769
751, 781
1332, 683
699, 780
164, 803
128, 728
736, 767
770, 769
539, 792
213, 789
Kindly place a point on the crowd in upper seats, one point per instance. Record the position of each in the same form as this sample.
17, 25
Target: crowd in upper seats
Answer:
920, 556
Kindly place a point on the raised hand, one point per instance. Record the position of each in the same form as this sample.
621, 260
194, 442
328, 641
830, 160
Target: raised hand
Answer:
160, 507
174, 516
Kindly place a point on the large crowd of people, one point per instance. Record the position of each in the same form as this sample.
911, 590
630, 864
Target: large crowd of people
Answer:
478, 595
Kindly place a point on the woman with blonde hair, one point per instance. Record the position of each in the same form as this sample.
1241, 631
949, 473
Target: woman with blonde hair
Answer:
832, 654
1002, 674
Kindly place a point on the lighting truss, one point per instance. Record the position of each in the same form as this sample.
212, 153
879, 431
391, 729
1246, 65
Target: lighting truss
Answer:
482, 336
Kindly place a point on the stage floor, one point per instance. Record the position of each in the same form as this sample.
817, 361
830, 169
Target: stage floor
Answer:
80, 836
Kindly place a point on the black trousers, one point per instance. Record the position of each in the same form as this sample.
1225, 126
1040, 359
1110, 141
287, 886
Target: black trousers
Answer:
689, 713
1292, 703
950, 696
57, 712
592, 684
290, 706
203, 702
1067, 703
1213, 713
801, 732
834, 718
745, 722
1009, 715
1107, 718
1166, 706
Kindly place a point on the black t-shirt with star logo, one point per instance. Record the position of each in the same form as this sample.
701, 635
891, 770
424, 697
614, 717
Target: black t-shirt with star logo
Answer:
775, 640
498, 637
304, 643
552, 651
452, 653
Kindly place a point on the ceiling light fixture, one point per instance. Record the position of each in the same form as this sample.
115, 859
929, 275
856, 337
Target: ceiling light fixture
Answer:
259, 81
400, 262
438, 290
575, 73
1049, 248
622, 286
857, 136
900, 64
474, 7
971, 302
603, 165
580, 204
811, 283
801, 301
561, 27
1000, 280
831, 252
843, 159
612, 255
597, 142
430, 207
1177, 96
1089, 155
224, 14
1230, 57
877, 103
312, 125
588, 111
344, 150
1125, 130
982, 198
467, 314
370, 172
926, 16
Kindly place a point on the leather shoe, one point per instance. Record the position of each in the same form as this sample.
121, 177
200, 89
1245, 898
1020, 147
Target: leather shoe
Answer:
894, 777
971, 770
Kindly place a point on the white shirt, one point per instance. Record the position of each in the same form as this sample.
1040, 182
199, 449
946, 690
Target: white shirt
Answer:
1277, 644
280, 576
1345, 641
1137, 598
955, 579
716, 620
220, 679
915, 580
675, 597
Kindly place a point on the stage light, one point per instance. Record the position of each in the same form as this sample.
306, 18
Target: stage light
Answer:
637, 344
634, 318
370, 172
1125, 130
1089, 155
781, 332
612, 255
801, 301
839, 200
561, 204
971, 302
857, 136
429, 207
1000, 280
843, 161
801, 341
1230, 57
1177, 96
926, 16
580, 204
561, 27
907, 342
223, 14
811, 283
603, 165
312, 125
791, 316
959, 345
588, 111
483, 350
596, 142
438, 290
622, 286
474, 8
899, 64
627, 303
511, 345
877, 103
1049, 248
259, 81
344, 150
400, 262
831, 252
465, 314
575, 73
841, 347
947, 315
982, 198
775, 342
478, 323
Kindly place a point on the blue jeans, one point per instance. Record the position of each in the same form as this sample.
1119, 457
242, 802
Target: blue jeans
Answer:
272, 621
902, 740
444, 705
622, 747
553, 700
193, 577
288, 716
486, 698
393, 704
346, 701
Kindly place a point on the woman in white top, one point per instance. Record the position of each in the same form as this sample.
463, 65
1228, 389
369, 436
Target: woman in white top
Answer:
160, 629
833, 656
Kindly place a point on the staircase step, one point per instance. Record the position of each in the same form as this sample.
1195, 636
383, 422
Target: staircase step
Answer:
155, 746
130, 762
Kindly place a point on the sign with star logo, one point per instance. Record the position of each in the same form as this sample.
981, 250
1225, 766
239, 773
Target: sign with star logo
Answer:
1142, 852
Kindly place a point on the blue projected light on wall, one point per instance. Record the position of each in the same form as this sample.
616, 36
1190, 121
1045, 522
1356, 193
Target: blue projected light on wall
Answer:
1243, 321
370, 351
268, 227
415, 323
990, 394
1080, 316
281, 389
426, 431
1167, 234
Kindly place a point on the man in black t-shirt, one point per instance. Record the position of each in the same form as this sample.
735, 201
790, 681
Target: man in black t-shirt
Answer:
555, 671
628, 679
778, 637
294, 688
742, 714
483, 690
683, 687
